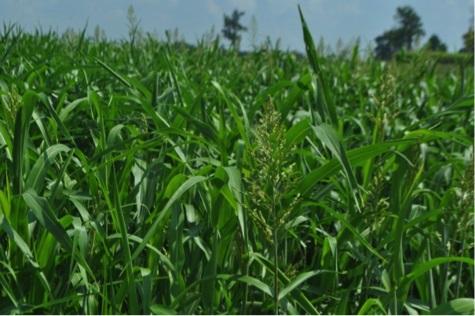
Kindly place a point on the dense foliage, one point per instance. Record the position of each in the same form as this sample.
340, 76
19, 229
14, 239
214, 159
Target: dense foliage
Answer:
155, 177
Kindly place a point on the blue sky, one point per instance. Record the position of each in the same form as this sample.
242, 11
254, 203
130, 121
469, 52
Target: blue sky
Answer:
330, 19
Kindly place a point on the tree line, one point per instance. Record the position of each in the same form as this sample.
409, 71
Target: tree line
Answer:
405, 36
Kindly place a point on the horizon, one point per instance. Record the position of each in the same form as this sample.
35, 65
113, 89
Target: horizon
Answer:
338, 23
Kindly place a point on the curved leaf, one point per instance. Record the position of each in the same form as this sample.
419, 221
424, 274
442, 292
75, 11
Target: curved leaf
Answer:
302, 277
370, 303
459, 306
192, 181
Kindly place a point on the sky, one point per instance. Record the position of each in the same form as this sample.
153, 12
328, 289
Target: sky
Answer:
278, 19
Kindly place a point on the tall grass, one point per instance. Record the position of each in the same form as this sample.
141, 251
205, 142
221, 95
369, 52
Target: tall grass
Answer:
156, 177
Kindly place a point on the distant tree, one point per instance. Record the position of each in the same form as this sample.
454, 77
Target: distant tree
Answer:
232, 27
410, 26
387, 44
435, 44
408, 31
468, 41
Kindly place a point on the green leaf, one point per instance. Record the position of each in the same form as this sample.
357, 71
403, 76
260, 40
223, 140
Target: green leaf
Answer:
42, 211
36, 177
356, 157
371, 303
114, 73
25, 249
423, 267
297, 132
68, 109
192, 181
6, 141
234, 184
157, 309
330, 139
297, 295
256, 283
22, 245
324, 90
459, 306
302, 277
242, 124
22, 123
174, 184
350, 227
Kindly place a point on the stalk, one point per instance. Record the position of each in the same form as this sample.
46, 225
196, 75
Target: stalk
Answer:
276, 278
276, 249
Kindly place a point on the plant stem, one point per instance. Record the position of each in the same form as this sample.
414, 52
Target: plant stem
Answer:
276, 277
276, 248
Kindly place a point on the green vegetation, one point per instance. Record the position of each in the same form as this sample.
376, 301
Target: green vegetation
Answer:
155, 177
454, 60
467, 37
435, 44
403, 38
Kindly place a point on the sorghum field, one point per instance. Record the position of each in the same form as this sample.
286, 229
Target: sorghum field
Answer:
158, 177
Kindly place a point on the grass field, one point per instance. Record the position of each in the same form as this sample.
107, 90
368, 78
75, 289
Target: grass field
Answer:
154, 177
